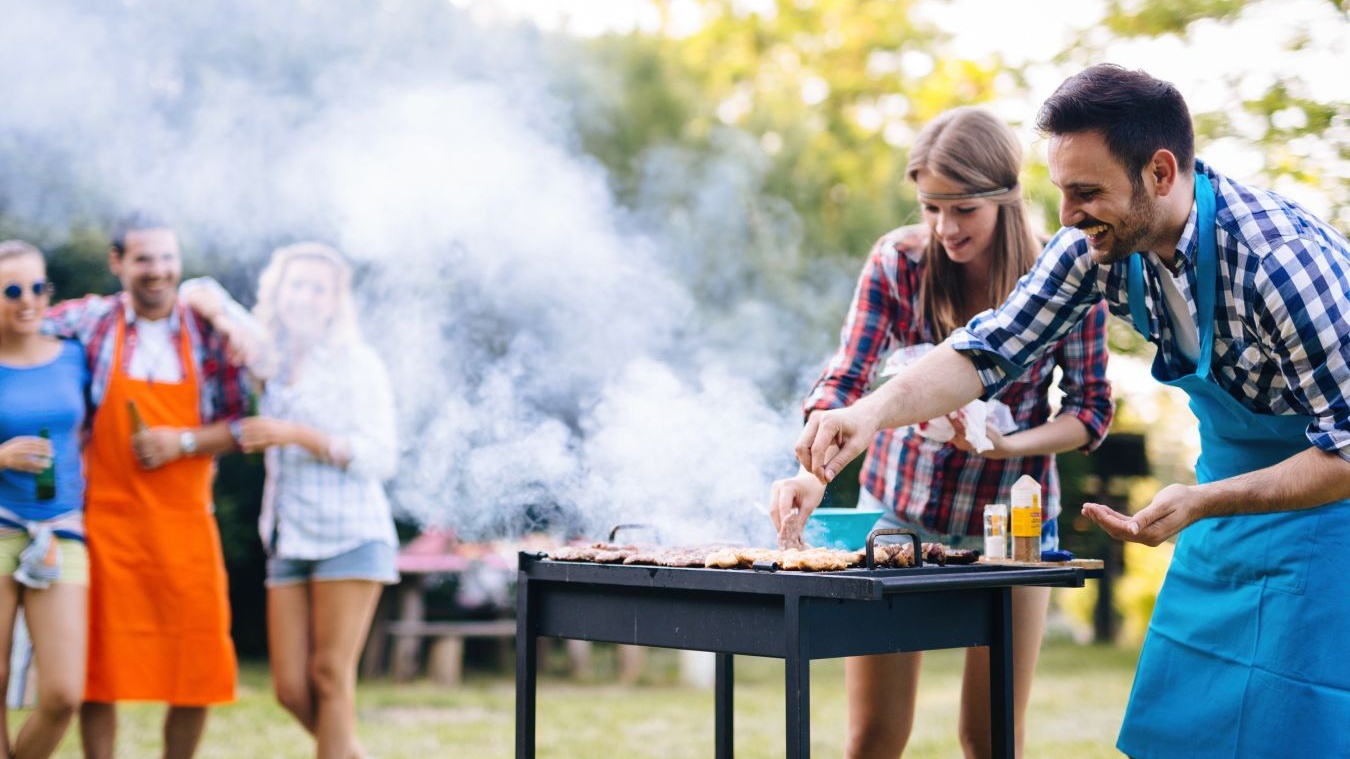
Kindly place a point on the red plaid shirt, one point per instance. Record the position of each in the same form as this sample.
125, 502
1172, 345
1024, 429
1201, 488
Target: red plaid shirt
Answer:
934, 484
93, 321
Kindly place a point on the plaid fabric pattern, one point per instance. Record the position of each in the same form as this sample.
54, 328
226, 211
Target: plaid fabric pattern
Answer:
1280, 341
934, 484
311, 508
93, 321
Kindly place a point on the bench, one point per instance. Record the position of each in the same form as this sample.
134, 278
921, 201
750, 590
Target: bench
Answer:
445, 657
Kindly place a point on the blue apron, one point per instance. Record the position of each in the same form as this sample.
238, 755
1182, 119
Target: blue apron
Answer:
1248, 650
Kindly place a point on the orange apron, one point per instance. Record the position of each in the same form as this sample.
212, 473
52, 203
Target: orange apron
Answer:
159, 612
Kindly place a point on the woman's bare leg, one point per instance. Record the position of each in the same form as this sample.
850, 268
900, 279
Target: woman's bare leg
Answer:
1029, 606
58, 622
342, 611
289, 649
881, 696
9, 612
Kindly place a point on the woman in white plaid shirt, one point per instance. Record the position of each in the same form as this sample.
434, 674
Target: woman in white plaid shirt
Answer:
327, 425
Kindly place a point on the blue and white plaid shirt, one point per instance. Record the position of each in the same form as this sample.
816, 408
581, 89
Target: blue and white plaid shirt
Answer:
1282, 341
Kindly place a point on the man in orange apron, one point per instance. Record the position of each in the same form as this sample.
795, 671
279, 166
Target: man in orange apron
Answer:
159, 607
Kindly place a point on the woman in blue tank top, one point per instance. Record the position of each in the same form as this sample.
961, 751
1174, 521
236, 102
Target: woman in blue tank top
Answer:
43, 563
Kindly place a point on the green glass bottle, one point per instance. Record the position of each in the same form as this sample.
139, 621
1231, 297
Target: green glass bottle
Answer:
46, 479
256, 457
137, 423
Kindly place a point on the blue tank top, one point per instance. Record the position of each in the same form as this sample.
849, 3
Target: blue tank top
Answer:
49, 396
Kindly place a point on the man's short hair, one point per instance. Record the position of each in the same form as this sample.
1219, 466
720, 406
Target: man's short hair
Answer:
135, 221
1136, 114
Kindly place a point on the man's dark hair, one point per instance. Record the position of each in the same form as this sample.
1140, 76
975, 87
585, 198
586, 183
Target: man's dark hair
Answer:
1135, 113
133, 222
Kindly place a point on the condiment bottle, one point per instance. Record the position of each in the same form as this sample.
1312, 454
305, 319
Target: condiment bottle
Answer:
1026, 519
45, 480
996, 530
252, 410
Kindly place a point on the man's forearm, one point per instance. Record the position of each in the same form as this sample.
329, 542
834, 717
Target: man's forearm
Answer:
1302, 481
937, 384
214, 438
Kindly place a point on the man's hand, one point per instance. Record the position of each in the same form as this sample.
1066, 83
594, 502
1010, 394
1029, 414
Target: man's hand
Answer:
26, 454
242, 347
257, 433
833, 438
157, 446
1174, 508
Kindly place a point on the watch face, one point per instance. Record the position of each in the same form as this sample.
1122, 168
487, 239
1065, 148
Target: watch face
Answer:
188, 442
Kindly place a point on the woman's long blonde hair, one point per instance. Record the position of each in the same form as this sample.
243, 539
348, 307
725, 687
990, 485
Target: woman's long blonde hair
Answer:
976, 150
343, 327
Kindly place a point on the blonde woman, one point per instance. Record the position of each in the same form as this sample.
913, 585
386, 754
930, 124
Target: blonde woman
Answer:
44, 566
327, 425
919, 284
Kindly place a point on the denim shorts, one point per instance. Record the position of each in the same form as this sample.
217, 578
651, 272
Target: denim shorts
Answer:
373, 561
1049, 529
74, 557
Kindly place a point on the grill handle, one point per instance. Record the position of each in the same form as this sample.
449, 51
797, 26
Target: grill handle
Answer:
872, 539
613, 531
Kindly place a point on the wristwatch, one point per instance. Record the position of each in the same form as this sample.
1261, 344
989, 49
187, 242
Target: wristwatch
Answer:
187, 442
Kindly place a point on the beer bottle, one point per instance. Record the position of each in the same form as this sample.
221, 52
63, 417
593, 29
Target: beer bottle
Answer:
137, 423
46, 479
256, 457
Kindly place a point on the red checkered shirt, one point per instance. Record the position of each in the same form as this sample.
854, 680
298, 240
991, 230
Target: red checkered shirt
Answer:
935, 484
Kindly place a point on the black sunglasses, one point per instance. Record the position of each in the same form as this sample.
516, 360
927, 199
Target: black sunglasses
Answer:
14, 290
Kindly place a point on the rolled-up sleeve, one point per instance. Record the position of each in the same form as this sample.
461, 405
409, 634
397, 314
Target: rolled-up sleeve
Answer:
373, 443
1048, 302
1301, 298
866, 336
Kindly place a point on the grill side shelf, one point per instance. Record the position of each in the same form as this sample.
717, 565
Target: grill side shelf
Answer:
977, 576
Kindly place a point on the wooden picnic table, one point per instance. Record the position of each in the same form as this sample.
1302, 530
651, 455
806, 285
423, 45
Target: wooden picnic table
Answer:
401, 623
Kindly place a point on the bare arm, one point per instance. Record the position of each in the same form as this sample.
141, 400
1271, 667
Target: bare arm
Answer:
939, 383
1302, 481
1063, 433
260, 433
158, 446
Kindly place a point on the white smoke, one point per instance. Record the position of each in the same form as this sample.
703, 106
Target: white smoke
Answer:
553, 353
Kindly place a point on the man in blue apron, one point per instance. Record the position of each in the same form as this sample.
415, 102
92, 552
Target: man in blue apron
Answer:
1247, 297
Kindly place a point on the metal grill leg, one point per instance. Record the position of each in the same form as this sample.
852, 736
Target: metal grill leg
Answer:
1001, 673
723, 702
527, 670
797, 670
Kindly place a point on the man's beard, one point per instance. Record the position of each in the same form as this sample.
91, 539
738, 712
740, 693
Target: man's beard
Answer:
1133, 232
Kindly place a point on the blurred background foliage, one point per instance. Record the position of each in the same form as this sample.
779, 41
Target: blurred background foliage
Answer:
817, 100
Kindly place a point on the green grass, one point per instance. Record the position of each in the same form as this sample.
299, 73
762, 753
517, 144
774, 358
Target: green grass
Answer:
1079, 697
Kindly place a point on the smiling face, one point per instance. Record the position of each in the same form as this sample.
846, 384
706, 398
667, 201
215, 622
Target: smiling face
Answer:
22, 316
307, 298
1118, 216
966, 227
150, 268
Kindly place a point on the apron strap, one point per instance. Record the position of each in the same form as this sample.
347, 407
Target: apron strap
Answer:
1206, 269
1206, 276
1135, 283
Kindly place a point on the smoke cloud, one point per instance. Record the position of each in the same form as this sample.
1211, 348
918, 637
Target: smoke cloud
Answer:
554, 354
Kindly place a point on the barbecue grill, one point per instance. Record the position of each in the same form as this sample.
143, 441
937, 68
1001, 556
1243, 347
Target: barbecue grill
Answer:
794, 616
